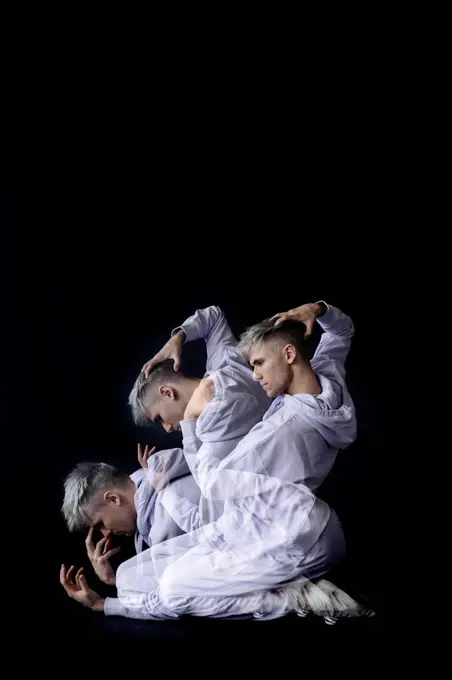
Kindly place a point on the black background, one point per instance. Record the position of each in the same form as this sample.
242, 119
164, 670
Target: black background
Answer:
101, 257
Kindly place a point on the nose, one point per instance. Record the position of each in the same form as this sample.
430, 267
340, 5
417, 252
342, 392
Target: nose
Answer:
257, 374
168, 427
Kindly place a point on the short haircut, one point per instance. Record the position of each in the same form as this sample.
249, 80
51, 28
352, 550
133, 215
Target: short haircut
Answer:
140, 397
288, 331
83, 487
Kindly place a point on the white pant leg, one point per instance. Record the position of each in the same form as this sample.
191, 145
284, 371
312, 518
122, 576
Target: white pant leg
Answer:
328, 551
212, 573
139, 596
138, 591
224, 582
245, 569
266, 603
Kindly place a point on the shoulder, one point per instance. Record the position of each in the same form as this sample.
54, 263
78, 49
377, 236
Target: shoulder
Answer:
279, 421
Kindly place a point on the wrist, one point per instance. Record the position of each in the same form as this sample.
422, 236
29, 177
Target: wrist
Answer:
179, 336
321, 307
99, 605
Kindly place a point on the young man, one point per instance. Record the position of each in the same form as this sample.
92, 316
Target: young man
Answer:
312, 406
97, 494
296, 444
155, 398
271, 530
312, 415
311, 418
164, 395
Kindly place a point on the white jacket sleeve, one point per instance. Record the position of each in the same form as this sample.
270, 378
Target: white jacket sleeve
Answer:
115, 607
208, 440
175, 460
331, 353
219, 482
210, 324
183, 511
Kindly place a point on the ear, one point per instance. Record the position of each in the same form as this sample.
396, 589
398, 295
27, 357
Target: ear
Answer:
167, 392
290, 353
112, 497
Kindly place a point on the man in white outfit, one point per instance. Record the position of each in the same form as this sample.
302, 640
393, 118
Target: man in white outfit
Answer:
98, 495
296, 444
271, 530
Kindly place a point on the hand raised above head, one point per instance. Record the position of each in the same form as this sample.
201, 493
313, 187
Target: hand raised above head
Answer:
170, 350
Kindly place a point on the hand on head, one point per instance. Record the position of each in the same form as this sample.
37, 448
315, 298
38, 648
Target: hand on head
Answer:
307, 314
99, 556
171, 350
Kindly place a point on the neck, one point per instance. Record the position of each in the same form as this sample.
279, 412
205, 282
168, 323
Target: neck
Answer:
130, 491
304, 381
187, 387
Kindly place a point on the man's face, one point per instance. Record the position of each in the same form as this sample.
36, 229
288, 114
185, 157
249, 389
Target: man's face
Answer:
271, 367
168, 409
115, 516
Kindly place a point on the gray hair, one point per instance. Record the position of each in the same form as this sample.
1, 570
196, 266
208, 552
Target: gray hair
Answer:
85, 486
289, 331
140, 397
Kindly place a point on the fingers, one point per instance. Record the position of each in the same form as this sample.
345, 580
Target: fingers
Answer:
150, 452
309, 323
81, 580
281, 318
72, 586
69, 575
143, 457
275, 316
149, 366
209, 389
161, 476
89, 542
100, 547
63, 577
175, 356
110, 553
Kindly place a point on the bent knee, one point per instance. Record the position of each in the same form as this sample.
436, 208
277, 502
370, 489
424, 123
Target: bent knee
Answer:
170, 592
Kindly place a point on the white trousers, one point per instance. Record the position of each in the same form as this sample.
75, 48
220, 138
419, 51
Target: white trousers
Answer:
230, 580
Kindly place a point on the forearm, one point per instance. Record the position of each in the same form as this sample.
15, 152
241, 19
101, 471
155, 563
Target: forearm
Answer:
190, 444
176, 461
331, 353
210, 325
219, 483
132, 607
201, 325
99, 606
333, 321
183, 511
223, 484
202, 458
